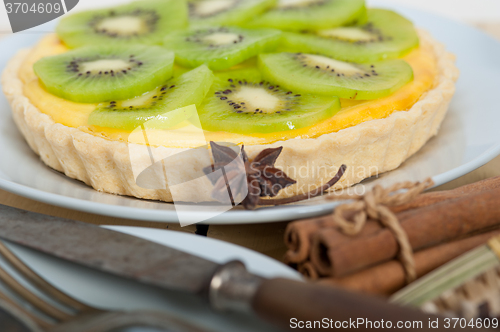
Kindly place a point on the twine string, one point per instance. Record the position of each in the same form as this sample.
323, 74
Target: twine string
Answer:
375, 205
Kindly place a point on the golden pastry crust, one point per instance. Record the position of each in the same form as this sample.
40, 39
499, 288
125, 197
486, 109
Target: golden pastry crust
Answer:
370, 148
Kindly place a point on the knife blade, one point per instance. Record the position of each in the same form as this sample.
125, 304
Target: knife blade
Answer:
227, 287
106, 250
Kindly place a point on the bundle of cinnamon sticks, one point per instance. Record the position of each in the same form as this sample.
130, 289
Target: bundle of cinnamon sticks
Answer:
440, 226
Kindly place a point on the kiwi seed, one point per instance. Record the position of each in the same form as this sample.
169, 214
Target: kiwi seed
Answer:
76, 66
294, 5
303, 59
201, 35
206, 9
287, 98
376, 35
148, 18
317, 74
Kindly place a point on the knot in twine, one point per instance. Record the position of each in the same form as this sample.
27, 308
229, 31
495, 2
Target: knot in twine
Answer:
352, 217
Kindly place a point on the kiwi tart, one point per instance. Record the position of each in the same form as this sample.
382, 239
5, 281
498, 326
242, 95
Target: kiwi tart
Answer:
242, 101
323, 75
329, 81
159, 104
101, 73
221, 47
304, 15
225, 12
384, 35
145, 22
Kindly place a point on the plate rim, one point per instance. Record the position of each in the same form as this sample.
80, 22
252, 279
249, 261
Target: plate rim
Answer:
273, 214
146, 233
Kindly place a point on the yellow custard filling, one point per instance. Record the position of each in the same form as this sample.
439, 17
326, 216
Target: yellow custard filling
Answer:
76, 115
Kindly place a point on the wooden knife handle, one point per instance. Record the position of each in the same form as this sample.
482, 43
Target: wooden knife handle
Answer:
286, 302
290, 304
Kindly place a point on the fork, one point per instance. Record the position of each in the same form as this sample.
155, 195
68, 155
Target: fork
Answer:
56, 311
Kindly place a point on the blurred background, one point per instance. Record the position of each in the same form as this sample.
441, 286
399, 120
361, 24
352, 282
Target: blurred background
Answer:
472, 12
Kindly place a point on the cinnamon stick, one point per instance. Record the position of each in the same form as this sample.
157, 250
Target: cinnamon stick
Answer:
389, 277
299, 235
439, 196
331, 238
308, 270
425, 227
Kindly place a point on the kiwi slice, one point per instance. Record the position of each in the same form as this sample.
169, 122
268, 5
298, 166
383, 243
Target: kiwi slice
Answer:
143, 22
310, 73
386, 35
220, 48
162, 108
94, 74
300, 15
225, 12
240, 101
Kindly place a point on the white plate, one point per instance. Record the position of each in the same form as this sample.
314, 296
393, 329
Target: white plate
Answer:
468, 139
113, 293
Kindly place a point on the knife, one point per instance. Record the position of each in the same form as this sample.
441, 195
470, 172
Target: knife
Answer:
227, 287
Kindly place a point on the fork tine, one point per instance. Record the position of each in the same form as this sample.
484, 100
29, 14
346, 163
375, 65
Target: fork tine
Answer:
33, 299
43, 285
40, 322
117, 321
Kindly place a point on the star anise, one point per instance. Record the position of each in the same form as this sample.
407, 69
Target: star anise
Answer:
247, 181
